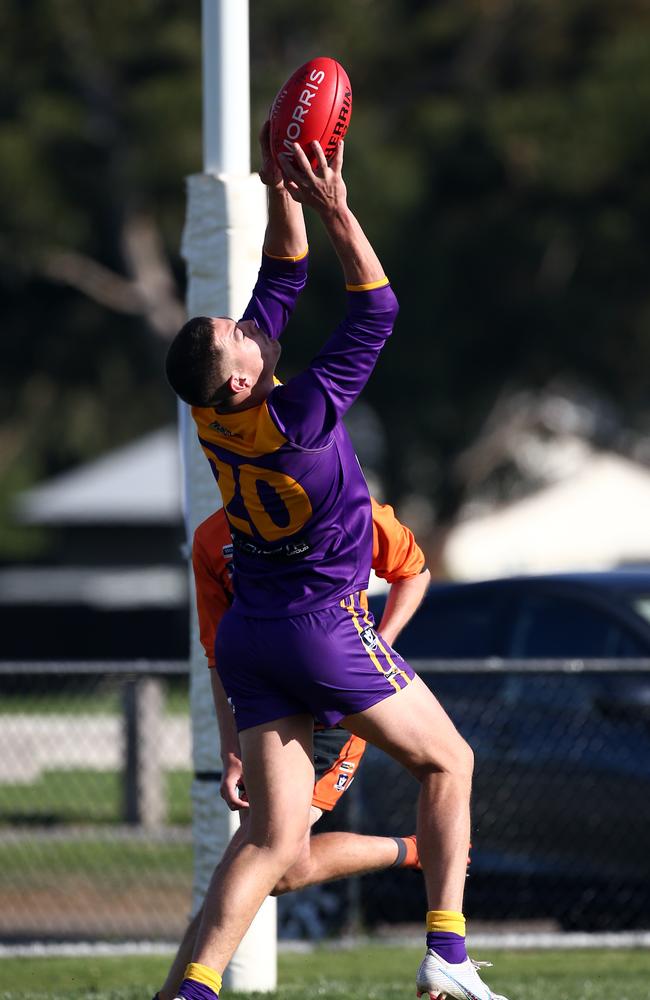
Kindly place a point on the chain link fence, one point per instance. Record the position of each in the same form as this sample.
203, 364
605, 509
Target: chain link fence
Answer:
95, 774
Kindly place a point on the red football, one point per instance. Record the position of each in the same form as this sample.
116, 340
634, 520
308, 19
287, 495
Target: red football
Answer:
314, 104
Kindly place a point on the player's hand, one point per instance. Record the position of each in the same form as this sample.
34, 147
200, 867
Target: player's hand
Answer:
269, 171
323, 189
233, 790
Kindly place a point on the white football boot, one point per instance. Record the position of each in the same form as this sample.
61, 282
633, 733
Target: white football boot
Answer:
442, 980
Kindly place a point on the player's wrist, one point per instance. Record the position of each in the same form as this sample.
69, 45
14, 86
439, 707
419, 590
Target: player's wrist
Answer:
336, 215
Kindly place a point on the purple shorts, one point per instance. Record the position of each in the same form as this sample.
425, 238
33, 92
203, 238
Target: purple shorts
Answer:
329, 663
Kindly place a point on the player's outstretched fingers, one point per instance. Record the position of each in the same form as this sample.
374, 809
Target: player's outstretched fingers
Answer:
298, 174
323, 165
300, 164
291, 174
321, 188
336, 162
269, 172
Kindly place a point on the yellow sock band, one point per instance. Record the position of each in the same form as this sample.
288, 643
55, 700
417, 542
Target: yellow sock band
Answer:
446, 920
203, 974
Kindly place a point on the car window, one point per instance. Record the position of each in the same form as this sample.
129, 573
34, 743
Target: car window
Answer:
455, 625
553, 626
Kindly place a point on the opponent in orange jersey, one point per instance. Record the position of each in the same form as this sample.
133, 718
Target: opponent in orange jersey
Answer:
396, 558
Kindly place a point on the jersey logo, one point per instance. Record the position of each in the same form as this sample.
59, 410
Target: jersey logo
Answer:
296, 548
216, 426
226, 551
283, 553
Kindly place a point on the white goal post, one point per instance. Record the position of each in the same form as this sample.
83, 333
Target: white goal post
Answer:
222, 240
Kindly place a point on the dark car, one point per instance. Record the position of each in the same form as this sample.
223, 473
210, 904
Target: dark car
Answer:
561, 802
587, 615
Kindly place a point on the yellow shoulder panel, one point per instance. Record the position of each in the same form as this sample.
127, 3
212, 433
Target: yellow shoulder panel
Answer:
251, 433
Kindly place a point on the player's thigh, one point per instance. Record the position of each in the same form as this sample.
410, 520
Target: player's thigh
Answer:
413, 727
277, 760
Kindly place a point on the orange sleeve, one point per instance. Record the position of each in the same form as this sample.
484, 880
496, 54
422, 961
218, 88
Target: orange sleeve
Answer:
211, 578
395, 553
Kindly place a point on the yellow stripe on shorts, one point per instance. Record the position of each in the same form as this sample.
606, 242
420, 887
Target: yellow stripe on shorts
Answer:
385, 651
357, 624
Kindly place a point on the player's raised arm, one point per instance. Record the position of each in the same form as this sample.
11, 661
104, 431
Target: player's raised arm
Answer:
324, 190
308, 407
283, 273
286, 236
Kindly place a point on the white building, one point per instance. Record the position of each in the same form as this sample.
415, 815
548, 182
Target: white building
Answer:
597, 518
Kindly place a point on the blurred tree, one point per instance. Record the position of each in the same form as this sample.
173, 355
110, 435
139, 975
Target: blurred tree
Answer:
101, 117
498, 156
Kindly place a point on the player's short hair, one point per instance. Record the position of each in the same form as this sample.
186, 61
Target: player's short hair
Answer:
197, 366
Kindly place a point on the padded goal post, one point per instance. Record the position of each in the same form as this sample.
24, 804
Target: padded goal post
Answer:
222, 241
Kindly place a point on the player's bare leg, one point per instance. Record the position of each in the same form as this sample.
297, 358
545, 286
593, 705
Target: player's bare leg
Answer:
278, 821
414, 729
324, 856
181, 960
330, 856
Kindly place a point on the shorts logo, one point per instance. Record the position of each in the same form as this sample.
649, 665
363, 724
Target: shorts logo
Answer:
393, 672
346, 765
369, 638
341, 782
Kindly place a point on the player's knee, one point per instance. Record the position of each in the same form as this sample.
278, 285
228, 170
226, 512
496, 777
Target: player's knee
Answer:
465, 759
456, 758
296, 876
288, 848
288, 864
284, 884
288, 883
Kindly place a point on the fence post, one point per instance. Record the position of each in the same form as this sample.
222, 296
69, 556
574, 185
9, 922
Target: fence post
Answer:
144, 794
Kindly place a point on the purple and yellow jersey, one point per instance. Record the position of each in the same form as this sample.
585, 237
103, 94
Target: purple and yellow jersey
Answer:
292, 489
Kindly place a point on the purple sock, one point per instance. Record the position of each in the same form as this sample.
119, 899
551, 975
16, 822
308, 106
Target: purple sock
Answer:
191, 990
449, 946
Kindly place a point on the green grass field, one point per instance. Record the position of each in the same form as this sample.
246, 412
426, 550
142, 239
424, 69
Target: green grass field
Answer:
373, 972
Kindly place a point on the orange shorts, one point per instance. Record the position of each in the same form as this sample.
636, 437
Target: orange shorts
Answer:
337, 754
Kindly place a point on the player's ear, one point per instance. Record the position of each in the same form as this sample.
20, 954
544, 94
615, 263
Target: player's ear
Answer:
238, 382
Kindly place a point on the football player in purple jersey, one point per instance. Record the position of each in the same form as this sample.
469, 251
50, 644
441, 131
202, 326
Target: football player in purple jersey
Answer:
297, 643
